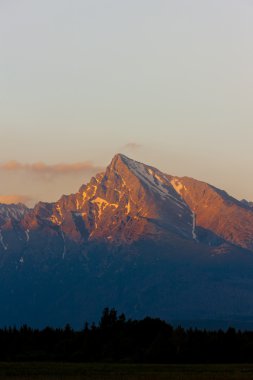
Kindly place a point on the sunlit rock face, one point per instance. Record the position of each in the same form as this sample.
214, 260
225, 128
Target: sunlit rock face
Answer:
218, 212
133, 238
128, 202
131, 201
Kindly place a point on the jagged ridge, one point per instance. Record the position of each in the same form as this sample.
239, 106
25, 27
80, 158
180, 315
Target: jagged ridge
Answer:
134, 238
128, 202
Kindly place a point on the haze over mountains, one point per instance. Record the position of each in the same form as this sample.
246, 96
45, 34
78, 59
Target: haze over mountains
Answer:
133, 238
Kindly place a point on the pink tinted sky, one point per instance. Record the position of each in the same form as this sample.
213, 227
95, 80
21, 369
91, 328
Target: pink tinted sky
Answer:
169, 83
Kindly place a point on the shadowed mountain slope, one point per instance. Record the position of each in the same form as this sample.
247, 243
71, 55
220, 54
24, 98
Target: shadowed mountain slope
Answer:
133, 238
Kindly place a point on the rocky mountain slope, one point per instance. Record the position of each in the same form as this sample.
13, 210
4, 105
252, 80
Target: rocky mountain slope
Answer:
133, 238
218, 212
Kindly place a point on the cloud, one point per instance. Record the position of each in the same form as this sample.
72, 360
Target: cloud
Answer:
132, 146
42, 168
10, 199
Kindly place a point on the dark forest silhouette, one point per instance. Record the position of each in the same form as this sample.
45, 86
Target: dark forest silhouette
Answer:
116, 339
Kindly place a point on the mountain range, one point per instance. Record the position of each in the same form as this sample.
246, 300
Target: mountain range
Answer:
133, 238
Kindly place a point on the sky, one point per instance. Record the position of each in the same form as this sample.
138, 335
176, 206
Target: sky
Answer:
166, 82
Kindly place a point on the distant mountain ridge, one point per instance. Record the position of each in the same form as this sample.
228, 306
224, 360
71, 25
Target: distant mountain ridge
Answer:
128, 218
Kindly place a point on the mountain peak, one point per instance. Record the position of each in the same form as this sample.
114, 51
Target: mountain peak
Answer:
132, 200
120, 156
126, 167
131, 233
120, 159
121, 162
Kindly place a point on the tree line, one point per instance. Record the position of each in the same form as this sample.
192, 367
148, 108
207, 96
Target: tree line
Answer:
117, 339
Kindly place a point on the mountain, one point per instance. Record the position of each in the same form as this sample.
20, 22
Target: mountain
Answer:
133, 238
218, 212
247, 203
12, 213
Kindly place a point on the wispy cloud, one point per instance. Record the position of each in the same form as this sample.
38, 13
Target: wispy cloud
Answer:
10, 199
42, 181
132, 146
42, 168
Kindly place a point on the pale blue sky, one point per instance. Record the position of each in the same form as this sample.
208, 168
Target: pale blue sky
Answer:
81, 79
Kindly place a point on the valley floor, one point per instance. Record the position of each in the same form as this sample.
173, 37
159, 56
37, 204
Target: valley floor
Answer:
70, 371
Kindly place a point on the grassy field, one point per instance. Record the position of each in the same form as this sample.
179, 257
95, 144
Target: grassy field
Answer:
65, 371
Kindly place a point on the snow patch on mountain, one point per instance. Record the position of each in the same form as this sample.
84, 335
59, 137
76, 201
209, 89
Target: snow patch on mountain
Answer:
155, 180
14, 211
128, 208
55, 220
102, 204
64, 244
27, 235
58, 208
178, 186
77, 204
194, 235
5, 247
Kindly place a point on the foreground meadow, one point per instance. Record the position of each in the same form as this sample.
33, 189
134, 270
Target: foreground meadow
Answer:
69, 371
